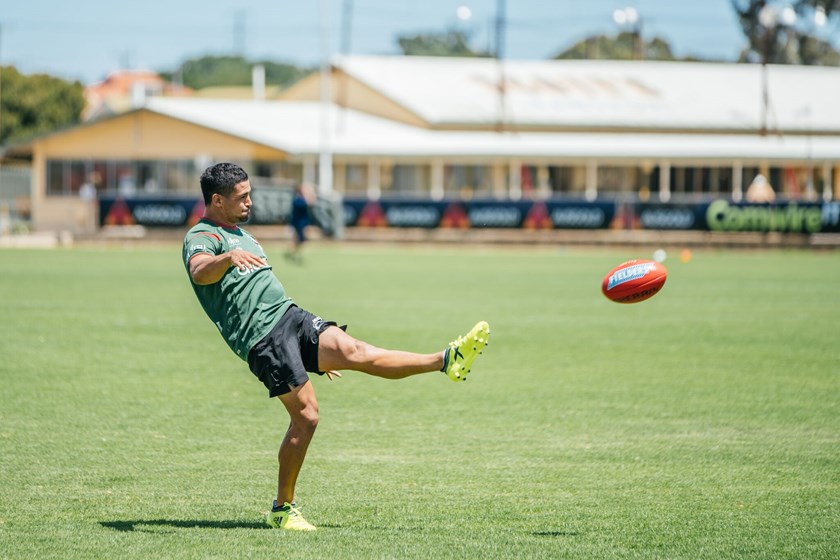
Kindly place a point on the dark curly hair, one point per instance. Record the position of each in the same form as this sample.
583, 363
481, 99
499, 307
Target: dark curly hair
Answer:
221, 178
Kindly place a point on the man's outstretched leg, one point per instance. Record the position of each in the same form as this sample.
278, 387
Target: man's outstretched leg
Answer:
338, 350
303, 414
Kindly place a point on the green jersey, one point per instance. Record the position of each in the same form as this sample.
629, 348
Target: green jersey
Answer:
243, 305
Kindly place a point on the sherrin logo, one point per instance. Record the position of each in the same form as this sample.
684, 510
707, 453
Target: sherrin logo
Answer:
630, 273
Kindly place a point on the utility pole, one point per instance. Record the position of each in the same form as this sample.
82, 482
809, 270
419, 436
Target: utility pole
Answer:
346, 27
239, 33
325, 164
1, 100
500, 55
346, 41
765, 90
1, 83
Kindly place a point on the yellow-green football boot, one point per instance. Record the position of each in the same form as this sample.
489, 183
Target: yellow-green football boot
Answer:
462, 352
288, 517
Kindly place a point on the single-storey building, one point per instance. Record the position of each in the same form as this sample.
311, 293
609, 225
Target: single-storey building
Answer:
463, 129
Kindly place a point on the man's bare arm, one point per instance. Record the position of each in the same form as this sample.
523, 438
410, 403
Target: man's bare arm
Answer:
208, 269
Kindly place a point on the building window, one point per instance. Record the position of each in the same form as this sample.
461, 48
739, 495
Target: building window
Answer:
148, 177
695, 182
356, 178
466, 181
122, 177
285, 171
617, 179
66, 177
55, 177
181, 176
561, 179
126, 178
410, 179
261, 169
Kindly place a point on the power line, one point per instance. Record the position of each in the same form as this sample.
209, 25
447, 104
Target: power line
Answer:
86, 28
239, 33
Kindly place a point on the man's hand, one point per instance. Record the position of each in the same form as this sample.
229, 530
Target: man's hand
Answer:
332, 373
243, 260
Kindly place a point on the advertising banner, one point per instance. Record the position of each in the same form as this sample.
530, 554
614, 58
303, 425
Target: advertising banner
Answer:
150, 212
273, 206
270, 207
783, 217
478, 214
727, 216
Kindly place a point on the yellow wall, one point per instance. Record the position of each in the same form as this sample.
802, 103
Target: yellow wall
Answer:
65, 213
353, 94
131, 136
146, 135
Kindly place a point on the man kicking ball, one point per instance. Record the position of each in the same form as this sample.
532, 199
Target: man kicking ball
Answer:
280, 341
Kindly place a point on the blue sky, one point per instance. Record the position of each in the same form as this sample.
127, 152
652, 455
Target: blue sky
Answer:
86, 39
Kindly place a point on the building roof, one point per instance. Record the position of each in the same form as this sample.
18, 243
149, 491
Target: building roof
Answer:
296, 128
604, 110
598, 94
114, 94
236, 92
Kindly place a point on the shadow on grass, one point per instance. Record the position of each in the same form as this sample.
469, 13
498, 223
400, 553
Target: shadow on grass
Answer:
146, 524
556, 534
141, 524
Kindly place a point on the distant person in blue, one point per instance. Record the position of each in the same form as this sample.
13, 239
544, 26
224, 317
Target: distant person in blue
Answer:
299, 220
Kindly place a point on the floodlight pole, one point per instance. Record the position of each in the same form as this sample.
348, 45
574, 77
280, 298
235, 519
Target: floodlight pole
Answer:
629, 18
770, 20
325, 171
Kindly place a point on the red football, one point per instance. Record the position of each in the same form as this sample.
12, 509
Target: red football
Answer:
634, 281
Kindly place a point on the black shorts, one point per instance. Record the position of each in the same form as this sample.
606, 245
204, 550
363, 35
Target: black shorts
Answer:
282, 358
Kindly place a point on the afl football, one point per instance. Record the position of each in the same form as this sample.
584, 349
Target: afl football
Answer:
634, 281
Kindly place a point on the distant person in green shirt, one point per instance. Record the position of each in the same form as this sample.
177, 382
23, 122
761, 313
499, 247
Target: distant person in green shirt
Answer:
281, 342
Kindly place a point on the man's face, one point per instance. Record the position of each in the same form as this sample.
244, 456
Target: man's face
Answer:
235, 208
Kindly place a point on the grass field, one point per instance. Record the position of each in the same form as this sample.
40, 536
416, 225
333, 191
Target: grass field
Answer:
703, 423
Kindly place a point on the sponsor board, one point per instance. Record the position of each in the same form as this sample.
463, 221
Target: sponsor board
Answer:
412, 215
787, 216
667, 217
490, 215
149, 212
361, 212
273, 207
595, 215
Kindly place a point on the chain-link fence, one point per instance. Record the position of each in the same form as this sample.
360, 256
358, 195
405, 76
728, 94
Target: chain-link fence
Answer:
15, 199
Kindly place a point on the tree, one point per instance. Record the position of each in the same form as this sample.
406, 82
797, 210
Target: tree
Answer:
625, 46
31, 105
233, 71
448, 43
788, 42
